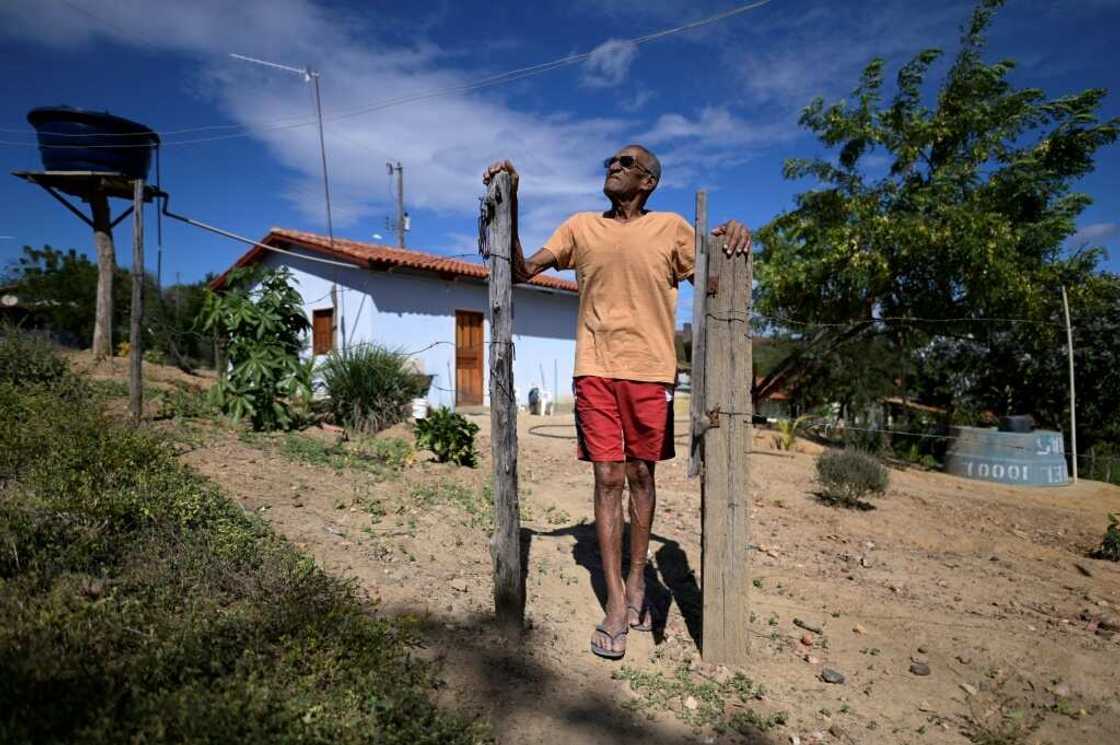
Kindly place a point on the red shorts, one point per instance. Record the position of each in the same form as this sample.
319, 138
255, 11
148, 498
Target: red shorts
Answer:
619, 420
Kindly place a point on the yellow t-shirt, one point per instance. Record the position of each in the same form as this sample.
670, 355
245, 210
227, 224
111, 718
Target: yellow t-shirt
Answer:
628, 275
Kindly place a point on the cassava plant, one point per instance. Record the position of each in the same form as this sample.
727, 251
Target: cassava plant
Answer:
260, 315
1110, 544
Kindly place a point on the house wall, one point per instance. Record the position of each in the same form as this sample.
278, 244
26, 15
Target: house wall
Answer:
416, 313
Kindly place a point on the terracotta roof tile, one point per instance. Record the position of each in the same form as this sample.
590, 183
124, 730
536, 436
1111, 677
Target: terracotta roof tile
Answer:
376, 256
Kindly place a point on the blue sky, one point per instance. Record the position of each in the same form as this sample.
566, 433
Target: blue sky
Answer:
718, 104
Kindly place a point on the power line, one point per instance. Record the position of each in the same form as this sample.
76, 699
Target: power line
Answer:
485, 82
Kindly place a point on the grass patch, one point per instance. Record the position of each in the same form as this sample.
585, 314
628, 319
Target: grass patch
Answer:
708, 703
381, 456
477, 504
137, 604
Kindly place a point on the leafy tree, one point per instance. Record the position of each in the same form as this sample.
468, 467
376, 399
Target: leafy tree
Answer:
63, 288
260, 314
967, 221
62, 285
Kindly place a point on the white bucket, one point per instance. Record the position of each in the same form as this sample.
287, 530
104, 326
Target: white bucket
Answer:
419, 408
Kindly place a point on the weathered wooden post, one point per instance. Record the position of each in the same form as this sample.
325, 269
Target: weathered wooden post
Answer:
106, 263
723, 421
135, 332
505, 544
699, 338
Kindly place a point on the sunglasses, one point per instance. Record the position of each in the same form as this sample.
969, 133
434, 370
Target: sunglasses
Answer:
626, 161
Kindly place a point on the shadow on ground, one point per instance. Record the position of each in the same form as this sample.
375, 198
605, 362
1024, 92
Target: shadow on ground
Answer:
510, 683
519, 685
669, 577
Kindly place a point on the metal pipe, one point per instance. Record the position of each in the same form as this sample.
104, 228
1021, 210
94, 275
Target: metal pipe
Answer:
199, 224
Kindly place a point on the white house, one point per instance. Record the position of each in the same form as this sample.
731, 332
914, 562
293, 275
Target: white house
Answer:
431, 307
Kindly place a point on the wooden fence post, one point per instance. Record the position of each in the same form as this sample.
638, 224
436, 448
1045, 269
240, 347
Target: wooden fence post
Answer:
135, 337
725, 486
505, 544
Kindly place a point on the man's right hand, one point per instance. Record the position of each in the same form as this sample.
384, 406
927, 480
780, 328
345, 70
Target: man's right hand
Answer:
497, 167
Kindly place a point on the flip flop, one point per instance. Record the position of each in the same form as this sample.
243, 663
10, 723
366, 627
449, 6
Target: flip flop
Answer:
645, 617
607, 652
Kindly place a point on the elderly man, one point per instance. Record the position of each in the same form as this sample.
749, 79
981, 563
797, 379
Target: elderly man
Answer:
628, 261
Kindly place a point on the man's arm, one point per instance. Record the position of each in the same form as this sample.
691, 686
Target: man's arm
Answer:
738, 240
523, 269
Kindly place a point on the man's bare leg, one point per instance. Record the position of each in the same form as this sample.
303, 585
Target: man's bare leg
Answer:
643, 499
610, 477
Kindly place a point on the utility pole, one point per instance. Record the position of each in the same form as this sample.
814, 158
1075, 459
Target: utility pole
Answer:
401, 224
1072, 393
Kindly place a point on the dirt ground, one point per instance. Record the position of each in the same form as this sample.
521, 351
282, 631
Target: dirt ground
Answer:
986, 585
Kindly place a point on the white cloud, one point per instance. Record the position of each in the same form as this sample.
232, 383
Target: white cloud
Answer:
1096, 232
638, 100
715, 139
609, 63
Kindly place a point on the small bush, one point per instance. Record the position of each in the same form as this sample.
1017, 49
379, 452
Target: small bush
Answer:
449, 435
26, 359
370, 387
848, 476
1110, 545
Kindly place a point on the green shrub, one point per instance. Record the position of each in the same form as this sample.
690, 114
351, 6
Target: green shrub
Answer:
449, 435
370, 386
184, 403
137, 604
1110, 544
848, 476
27, 359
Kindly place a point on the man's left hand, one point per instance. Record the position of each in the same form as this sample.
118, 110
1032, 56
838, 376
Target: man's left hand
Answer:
738, 237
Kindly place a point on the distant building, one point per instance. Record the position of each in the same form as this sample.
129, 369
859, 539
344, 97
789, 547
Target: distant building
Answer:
432, 307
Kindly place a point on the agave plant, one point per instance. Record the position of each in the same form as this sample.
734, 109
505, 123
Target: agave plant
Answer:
788, 429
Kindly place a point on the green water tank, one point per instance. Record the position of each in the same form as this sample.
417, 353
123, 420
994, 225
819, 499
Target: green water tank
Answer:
1025, 458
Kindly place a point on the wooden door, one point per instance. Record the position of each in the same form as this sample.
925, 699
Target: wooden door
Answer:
468, 358
322, 331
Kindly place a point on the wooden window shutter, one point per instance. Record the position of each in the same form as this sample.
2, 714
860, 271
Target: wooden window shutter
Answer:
322, 331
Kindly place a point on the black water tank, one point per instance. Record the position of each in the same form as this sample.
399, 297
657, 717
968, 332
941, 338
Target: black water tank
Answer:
77, 140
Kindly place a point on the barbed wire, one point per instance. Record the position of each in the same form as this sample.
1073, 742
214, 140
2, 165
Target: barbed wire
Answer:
901, 320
